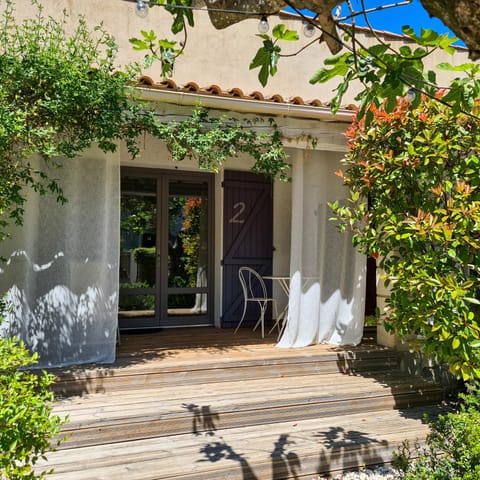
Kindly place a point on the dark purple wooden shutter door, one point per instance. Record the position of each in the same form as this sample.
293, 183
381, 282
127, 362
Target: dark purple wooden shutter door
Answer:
248, 238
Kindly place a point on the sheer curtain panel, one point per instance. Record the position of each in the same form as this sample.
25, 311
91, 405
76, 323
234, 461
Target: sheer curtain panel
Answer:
327, 285
60, 277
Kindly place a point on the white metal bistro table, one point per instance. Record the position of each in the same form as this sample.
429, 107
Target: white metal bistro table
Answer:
284, 283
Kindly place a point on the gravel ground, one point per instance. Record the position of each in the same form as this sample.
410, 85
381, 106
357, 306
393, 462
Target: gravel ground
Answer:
380, 473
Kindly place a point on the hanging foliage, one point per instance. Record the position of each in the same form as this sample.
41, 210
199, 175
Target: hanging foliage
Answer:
212, 141
60, 93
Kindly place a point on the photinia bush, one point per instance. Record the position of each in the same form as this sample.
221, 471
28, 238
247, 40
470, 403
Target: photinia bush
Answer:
414, 203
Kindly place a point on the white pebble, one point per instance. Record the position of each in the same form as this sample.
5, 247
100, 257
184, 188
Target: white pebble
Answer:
379, 473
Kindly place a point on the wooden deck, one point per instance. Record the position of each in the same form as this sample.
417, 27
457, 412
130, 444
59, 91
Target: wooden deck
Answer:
203, 403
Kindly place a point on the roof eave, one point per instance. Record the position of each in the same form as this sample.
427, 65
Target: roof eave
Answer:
240, 105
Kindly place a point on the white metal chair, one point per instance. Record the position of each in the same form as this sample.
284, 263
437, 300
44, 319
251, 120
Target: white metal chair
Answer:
254, 290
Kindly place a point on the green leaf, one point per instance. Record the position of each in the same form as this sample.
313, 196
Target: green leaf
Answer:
266, 59
408, 30
324, 75
263, 75
455, 343
472, 300
346, 58
430, 38
281, 32
148, 36
464, 67
261, 58
138, 44
378, 50
341, 90
166, 44
445, 334
178, 23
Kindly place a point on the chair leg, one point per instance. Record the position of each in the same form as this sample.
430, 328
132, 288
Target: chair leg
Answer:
277, 323
284, 324
278, 319
243, 316
262, 318
263, 308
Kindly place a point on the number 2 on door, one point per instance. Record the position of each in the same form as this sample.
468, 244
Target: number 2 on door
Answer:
238, 209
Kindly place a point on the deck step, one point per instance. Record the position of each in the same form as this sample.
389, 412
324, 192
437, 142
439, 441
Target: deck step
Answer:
297, 449
97, 379
179, 409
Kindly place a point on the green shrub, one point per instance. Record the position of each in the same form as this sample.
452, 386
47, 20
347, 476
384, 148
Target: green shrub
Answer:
453, 446
145, 257
27, 426
144, 254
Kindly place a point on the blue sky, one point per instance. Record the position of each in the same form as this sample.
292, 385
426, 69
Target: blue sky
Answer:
393, 19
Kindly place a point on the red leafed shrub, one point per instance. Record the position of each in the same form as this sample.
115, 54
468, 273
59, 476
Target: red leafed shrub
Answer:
414, 180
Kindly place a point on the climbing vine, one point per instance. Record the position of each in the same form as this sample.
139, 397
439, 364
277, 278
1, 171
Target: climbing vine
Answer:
212, 141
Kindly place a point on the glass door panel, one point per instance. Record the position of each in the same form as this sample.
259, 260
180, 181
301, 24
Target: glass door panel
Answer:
165, 252
138, 251
187, 277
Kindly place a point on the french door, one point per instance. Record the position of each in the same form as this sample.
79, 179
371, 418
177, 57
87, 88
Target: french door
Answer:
166, 246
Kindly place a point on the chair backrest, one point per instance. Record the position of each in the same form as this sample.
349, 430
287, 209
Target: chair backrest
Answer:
252, 283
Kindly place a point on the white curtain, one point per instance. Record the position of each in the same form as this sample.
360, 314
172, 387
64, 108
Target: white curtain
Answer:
61, 271
327, 286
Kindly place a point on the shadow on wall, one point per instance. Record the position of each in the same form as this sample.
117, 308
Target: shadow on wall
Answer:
62, 325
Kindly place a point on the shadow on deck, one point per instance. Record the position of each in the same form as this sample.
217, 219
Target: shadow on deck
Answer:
207, 404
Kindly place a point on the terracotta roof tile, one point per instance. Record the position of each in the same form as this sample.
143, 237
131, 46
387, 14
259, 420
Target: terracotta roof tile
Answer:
169, 83
296, 100
276, 98
235, 92
191, 87
256, 95
216, 90
145, 80
315, 103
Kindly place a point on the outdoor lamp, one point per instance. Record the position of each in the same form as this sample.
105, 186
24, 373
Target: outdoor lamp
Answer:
141, 9
263, 25
309, 29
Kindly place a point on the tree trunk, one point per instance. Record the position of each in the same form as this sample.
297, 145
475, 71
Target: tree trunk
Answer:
462, 17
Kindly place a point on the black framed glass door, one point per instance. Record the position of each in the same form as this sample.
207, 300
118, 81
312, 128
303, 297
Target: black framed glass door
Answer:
166, 249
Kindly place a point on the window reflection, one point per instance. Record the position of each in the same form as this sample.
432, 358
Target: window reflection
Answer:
138, 245
187, 246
